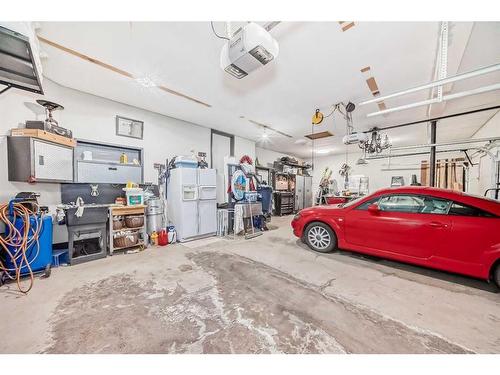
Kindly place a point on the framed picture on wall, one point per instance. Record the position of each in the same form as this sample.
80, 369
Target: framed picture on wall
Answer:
127, 127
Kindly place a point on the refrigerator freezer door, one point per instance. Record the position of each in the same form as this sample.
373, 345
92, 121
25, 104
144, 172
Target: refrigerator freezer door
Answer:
207, 210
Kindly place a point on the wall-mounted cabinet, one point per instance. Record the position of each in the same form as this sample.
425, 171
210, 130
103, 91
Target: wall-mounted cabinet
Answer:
34, 160
107, 163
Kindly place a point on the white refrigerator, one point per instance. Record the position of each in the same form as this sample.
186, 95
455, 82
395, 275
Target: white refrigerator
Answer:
192, 202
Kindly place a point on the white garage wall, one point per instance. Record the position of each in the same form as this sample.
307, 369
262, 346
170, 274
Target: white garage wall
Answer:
378, 179
93, 118
482, 175
242, 147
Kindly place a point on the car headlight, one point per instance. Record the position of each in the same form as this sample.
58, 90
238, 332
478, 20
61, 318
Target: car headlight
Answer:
297, 216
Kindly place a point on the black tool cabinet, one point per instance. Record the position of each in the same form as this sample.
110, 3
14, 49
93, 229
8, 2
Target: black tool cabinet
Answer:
283, 203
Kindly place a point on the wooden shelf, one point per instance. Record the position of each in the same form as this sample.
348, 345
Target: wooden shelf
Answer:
138, 244
128, 229
128, 210
141, 231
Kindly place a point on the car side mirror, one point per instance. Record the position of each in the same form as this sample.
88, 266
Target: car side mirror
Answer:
374, 209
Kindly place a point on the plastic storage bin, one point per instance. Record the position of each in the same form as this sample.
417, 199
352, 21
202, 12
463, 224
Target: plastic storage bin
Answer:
185, 162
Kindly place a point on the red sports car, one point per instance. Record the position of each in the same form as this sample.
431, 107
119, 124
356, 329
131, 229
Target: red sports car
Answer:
431, 227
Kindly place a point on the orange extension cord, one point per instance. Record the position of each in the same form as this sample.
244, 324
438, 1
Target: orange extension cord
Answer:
21, 242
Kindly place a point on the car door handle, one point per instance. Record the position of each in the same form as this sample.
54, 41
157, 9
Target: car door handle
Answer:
435, 224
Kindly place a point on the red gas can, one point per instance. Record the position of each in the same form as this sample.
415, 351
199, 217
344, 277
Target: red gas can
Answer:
163, 237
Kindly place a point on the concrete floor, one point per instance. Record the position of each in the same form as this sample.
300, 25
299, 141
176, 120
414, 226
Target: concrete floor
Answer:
265, 295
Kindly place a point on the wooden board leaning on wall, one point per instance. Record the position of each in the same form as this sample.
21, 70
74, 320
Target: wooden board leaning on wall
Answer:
450, 173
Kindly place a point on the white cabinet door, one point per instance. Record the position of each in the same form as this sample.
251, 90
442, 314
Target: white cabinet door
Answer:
107, 173
52, 162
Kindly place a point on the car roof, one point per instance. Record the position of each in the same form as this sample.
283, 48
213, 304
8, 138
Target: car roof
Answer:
487, 204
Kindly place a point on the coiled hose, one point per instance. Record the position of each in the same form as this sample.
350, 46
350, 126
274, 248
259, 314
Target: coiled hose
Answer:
19, 241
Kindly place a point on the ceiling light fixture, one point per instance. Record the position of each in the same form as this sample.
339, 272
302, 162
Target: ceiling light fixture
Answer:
322, 151
146, 82
375, 144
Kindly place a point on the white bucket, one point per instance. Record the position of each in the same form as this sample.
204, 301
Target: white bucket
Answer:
135, 196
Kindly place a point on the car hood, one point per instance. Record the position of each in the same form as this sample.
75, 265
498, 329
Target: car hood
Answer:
331, 209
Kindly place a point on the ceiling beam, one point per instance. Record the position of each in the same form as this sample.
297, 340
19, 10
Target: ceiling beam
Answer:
434, 118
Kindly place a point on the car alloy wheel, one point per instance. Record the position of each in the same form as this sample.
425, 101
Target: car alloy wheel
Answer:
319, 237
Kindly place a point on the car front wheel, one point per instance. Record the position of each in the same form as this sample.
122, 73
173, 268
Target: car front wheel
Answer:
320, 237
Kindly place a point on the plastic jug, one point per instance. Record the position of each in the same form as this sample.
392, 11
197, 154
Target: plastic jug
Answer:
163, 237
154, 238
172, 235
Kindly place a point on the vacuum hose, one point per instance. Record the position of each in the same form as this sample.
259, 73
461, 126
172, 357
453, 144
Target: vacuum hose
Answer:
17, 242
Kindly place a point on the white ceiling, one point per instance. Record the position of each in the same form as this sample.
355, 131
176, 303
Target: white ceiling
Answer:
318, 65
